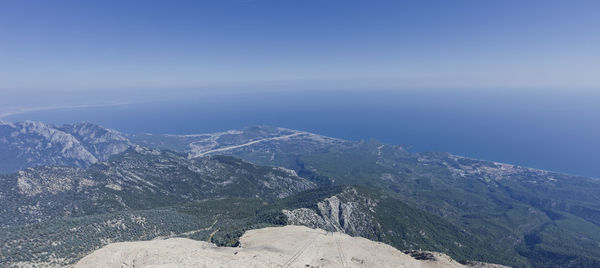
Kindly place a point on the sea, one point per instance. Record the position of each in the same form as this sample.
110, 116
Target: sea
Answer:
553, 130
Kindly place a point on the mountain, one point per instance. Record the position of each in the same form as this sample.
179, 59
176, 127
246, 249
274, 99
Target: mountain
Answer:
216, 186
527, 214
352, 210
138, 178
29, 144
99, 141
264, 247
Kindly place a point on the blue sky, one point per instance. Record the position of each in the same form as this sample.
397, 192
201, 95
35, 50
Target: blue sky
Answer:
85, 45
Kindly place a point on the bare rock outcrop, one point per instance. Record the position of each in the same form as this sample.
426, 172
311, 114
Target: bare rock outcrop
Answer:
348, 212
289, 246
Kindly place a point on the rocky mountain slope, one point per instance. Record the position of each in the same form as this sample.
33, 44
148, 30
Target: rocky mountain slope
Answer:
349, 212
518, 211
290, 246
64, 240
29, 144
466, 208
359, 211
138, 178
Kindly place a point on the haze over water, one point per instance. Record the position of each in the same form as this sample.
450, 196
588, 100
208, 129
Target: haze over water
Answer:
551, 130
532, 53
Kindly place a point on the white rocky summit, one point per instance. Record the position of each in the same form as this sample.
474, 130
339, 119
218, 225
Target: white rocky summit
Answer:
289, 246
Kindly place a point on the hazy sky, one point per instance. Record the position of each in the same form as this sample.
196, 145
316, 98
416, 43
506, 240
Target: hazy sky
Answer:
49, 45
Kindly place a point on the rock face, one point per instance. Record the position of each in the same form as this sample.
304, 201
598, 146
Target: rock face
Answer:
289, 246
348, 212
99, 141
29, 144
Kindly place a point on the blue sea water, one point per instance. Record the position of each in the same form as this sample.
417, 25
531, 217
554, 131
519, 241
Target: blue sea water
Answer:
549, 130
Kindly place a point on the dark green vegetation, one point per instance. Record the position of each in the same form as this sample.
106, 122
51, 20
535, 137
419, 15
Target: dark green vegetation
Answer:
392, 221
137, 179
526, 217
223, 221
469, 209
65, 240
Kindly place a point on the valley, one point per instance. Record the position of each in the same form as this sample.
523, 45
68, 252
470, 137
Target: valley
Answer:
215, 187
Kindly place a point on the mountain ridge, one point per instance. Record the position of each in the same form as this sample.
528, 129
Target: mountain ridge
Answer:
139, 178
449, 203
30, 143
